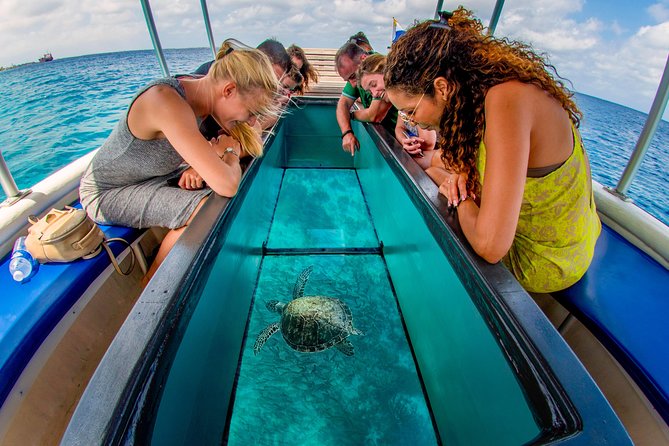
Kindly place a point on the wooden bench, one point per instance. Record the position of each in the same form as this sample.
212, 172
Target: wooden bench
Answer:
623, 300
329, 81
29, 311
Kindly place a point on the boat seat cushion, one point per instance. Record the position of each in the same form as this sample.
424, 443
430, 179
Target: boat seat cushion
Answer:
623, 300
29, 311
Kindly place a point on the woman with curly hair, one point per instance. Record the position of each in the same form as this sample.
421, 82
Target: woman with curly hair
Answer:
308, 71
512, 160
417, 142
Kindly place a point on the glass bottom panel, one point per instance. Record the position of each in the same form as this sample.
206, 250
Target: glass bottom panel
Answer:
321, 208
284, 396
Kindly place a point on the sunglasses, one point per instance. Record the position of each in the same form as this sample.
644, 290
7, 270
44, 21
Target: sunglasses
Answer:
408, 118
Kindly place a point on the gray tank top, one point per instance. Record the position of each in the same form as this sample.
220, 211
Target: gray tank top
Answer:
127, 182
124, 159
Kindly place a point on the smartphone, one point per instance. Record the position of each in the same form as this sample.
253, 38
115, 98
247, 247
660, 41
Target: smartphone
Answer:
406, 135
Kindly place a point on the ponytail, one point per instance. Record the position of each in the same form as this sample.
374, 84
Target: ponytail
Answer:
248, 138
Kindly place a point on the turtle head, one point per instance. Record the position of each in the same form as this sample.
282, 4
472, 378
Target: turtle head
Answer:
275, 306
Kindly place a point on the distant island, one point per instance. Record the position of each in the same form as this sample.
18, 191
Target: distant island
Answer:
11, 67
46, 58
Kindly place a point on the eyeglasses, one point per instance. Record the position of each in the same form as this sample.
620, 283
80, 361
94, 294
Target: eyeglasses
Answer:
285, 73
408, 119
291, 89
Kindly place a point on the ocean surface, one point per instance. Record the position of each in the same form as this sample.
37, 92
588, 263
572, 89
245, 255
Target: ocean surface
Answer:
52, 113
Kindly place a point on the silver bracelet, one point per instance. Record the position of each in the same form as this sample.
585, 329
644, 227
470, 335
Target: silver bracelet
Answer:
229, 150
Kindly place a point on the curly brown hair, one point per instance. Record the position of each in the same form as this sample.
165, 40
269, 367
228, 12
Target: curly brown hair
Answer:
472, 62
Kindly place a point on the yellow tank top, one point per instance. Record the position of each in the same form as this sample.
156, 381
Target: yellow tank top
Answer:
558, 225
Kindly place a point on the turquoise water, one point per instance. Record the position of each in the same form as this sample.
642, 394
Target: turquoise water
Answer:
325, 226
377, 396
475, 395
286, 397
327, 398
52, 113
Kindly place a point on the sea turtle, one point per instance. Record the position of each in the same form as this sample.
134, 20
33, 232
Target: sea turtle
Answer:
311, 323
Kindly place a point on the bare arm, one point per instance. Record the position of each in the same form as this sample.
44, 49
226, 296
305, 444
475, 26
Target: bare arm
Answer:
343, 113
429, 138
509, 117
161, 112
349, 142
376, 111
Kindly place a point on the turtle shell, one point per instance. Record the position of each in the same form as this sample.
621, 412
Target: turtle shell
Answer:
315, 323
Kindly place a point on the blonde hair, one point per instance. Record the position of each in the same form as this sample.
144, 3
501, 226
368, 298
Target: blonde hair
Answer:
251, 71
248, 138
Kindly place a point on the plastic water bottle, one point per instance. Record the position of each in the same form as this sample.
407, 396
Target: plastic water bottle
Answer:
22, 265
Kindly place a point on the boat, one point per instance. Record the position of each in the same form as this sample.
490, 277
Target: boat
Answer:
48, 57
96, 359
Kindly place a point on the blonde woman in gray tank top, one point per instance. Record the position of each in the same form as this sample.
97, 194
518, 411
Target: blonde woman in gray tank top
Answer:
130, 179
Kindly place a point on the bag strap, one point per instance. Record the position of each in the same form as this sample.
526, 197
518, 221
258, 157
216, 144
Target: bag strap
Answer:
114, 262
93, 253
80, 244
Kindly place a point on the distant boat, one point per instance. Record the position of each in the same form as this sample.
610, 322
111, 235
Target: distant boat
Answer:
46, 58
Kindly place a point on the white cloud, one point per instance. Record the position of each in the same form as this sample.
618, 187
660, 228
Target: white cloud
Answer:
75, 27
617, 28
585, 50
635, 68
659, 11
626, 72
590, 53
547, 25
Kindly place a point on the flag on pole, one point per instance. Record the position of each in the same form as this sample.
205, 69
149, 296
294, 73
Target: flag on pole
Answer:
398, 30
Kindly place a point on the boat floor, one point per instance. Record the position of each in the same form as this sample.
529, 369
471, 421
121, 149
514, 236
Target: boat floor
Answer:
644, 425
43, 400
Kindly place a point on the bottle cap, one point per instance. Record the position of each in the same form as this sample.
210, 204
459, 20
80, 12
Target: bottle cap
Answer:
18, 275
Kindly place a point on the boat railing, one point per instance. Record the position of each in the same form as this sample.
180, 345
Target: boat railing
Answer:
155, 40
646, 136
207, 26
9, 186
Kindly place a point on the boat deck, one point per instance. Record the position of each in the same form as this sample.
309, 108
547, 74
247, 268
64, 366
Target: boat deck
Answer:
329, 82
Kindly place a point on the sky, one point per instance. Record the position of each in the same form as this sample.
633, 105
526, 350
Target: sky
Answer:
612, 49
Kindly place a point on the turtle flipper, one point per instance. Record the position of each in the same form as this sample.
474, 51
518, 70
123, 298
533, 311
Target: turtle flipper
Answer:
345, 347
264, 336
301, 282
